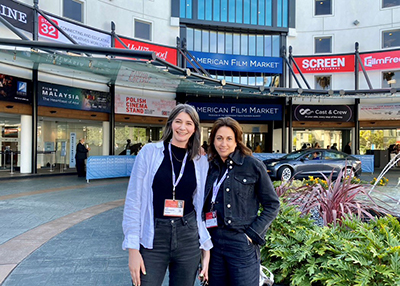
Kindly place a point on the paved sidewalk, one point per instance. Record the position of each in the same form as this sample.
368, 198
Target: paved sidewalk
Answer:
60, 230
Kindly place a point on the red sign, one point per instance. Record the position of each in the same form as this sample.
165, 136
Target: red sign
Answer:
381, 61
325, 64
165, 53
47, 29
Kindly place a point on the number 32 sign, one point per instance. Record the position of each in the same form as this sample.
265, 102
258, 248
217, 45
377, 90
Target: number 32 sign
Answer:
46, 29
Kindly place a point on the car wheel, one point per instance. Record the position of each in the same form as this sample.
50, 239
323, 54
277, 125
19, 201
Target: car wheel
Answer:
285, 173
349, 172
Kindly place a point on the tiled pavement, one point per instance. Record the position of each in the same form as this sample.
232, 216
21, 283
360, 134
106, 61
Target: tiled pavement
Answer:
59, 230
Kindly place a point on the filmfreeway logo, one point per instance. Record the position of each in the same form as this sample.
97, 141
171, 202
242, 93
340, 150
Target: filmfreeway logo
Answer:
370, 61
306, 111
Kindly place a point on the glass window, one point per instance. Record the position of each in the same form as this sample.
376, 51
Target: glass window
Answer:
323, 7
244, 44
197, 40
200, 9
275, 46
285, 12
254, 12
217, 7
224, 10
389, 79
268, 46
243, 79
73, 10
205, 42
377, 139
323, 82
189, 9
323, 44
261, 12
246, 11
209, 10
391, 39
231, 13
189, 39
239, 10
221, 42
236, 44
228, 43
390, 3
252, 45
213, 42
260, 46
142, 30
182, 8
268, 12
259, 81
279, 13
252, 80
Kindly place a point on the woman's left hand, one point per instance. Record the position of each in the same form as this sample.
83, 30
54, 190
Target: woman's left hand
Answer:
205, 260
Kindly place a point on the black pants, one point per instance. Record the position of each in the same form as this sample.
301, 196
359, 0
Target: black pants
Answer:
176, 245
234, 259
80, 167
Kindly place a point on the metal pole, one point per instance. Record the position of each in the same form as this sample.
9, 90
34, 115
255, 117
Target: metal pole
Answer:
12, 159
356, 67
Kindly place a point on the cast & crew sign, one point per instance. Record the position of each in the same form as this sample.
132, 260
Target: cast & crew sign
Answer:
338, 113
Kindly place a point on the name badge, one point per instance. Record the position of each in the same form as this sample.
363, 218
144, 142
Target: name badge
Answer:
173, 208
211, 219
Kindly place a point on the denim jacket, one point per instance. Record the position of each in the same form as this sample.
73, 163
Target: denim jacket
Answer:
246, 186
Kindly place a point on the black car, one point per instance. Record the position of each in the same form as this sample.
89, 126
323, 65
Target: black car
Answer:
312, 162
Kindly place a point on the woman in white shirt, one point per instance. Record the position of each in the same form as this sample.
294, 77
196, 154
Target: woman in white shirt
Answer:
162, 220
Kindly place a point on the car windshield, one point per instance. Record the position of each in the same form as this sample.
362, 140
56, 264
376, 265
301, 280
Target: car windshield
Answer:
295, 155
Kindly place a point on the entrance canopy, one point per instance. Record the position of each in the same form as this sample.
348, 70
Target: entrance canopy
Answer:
143, 70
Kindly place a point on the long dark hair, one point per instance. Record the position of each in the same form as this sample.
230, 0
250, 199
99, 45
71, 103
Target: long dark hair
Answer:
237, 130
193, 145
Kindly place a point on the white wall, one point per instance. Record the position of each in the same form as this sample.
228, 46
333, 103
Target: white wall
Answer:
368, 33
100, 13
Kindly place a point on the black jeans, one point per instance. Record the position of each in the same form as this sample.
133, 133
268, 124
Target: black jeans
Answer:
234, 259
176, 245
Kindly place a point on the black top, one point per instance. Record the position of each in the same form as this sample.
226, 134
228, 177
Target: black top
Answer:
162, 183
219, 200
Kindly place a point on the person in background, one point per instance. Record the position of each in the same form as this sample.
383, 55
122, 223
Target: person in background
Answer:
328, 146
205, 146
347, 148
258, 148
304, 146
80, 157
162, 220
316, 145
237, 184
128, 144
334, 146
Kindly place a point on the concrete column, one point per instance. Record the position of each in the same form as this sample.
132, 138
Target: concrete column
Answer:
26, 144
106, 138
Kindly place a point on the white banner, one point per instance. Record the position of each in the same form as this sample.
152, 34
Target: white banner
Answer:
379, 111
136, 105
72, 149
83, 36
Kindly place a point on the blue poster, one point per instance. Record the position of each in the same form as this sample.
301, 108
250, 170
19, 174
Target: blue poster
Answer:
238, 111
211, 61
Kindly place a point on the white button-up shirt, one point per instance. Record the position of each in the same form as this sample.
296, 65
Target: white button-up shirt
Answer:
138, 220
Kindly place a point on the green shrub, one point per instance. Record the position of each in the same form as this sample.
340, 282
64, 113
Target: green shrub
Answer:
299, 252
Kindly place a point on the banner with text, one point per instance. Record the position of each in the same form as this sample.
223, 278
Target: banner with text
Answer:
82, 35
15, 89
336, 113
325, 64
72, 149
166, 53
18, 15
136, 105
211, 61
381, 61
55, 95
238, 111
379, 111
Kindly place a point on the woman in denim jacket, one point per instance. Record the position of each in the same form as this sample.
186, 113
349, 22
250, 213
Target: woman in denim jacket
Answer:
162, 220
237, 184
